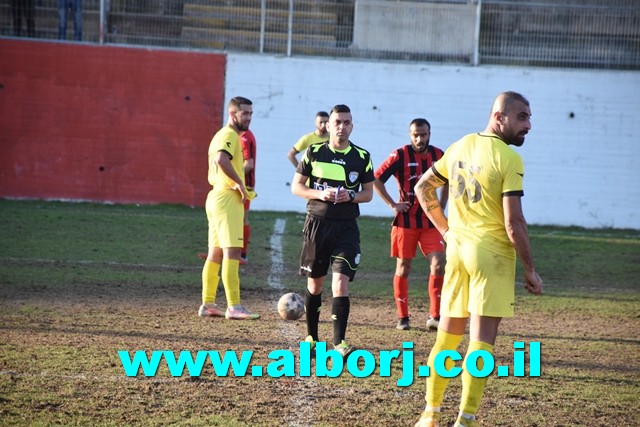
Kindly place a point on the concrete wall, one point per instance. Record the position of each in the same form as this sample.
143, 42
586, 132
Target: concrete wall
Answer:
133, 125
581, 158
416, 27
112, 124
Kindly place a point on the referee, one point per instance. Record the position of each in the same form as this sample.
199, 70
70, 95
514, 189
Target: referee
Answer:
334, 176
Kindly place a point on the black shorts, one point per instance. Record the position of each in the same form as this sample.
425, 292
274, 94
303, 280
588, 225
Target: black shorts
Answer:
334, 242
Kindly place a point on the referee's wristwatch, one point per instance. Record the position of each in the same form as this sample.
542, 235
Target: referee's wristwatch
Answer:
352, 195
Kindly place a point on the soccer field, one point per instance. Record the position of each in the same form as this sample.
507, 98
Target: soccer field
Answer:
80, 282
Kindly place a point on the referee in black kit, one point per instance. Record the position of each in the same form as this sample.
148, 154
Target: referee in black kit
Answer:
334, 176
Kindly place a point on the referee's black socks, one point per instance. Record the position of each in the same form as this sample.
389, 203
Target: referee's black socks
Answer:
340, 316
312, 304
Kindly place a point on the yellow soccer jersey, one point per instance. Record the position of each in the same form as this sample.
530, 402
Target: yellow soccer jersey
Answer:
311, 138
481, 169
226, 139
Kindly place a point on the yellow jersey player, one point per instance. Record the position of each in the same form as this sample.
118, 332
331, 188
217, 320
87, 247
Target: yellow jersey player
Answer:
320, 134
484, 232
225, 214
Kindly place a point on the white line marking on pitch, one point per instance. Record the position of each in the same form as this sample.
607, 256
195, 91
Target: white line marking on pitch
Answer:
277, 263
301, 412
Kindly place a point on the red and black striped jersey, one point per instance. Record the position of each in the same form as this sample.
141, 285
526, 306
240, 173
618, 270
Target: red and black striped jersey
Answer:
248, 142
407, 167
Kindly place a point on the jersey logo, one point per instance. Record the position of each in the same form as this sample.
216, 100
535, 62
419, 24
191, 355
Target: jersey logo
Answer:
411, 164
521, 174
339, 161
353, 176
322, 186
228, 145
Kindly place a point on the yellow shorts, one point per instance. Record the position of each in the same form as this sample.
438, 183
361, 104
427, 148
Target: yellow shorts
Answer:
477, 281
225, 214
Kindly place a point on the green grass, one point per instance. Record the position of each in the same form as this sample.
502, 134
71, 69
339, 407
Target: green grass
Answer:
93, 241
79, 281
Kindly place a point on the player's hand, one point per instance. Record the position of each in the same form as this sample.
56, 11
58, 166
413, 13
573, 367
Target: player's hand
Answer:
533, 283
341, 195
335, 195
242, 190
401, 207
328, 195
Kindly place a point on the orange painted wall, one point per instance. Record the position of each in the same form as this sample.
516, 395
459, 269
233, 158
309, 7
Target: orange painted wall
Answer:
103, 123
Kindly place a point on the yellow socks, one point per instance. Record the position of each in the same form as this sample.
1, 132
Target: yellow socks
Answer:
436, 385
472, 387
231, 281
210, 281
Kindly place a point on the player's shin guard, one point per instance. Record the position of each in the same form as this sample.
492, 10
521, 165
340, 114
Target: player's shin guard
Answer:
435, 290
401, 295
231, 281
436, 385
210, 281
312, 305
340, 307
472, 387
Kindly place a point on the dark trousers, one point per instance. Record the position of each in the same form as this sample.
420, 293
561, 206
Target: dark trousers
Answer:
26, 8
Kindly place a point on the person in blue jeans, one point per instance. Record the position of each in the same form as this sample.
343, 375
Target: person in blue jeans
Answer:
63, 9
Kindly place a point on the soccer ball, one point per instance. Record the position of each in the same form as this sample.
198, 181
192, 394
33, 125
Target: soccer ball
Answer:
291, 306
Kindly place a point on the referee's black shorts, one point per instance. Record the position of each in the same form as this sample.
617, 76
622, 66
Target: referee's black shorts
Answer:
334, 242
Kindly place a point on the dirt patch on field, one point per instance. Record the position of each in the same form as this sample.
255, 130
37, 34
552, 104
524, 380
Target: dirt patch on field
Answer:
59, 362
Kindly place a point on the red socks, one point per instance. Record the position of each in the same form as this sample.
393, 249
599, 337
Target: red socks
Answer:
247, 235
401, 295
435, 289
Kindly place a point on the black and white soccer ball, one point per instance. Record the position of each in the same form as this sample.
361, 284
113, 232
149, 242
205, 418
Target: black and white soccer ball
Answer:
291, 306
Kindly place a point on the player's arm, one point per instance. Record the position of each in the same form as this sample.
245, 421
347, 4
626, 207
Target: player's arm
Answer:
427, 192
444, 195
291, 155
223, 160
516, 227
247, 141
365, 195
381, 189
300, 188
247, 165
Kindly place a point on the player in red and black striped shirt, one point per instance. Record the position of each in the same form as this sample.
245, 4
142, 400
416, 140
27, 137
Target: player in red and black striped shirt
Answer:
411, 227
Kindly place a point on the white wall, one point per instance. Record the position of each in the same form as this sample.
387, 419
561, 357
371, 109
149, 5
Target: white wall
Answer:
581, 157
